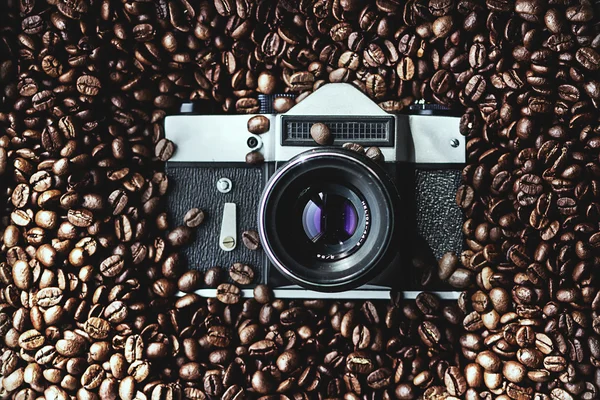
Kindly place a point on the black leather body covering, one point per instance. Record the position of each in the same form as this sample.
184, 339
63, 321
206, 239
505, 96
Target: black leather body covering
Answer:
432, 221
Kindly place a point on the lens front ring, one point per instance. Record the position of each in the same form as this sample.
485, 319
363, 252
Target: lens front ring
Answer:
296, 260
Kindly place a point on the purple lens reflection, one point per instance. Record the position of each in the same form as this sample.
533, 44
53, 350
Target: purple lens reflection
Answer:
329, 218
350, 218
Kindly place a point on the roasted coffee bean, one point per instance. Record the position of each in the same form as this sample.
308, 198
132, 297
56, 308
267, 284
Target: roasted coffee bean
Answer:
266, 82
360, 363
228, 294
193, 218
380, 378
179, 236
441, 82
514, 371
288, 361
588, 58
489, 361
241, 274
262, 382
555, 363
427, 303
258, 124
88, 85
447, 265
254, 158
190, 281
112, 266
164, 149
213, 277
543, 343
456, 383
430, 334
97, 328
320, 133
251, 240
375, 154
283, 104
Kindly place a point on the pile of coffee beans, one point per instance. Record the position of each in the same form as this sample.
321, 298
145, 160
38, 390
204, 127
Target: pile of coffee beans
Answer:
90, 266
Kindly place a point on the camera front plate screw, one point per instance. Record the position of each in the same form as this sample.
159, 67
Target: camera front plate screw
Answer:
454, 143
224, 185
229, 242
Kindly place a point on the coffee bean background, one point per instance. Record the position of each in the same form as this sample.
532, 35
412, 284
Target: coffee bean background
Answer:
89, 265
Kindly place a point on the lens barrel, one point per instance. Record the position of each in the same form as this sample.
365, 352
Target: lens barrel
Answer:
328, 219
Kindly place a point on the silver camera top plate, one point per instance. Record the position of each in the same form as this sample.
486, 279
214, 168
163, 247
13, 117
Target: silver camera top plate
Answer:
218, 138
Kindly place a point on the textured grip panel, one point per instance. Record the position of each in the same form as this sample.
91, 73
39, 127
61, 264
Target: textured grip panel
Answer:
439, 219
432, 225
196, 186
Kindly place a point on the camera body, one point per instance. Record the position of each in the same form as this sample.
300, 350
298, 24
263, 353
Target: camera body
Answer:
387, 214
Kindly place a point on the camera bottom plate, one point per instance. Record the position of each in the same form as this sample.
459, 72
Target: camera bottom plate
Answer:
364, 293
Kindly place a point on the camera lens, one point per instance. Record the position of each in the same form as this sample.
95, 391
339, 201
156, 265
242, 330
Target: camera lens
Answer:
334, 219
327, 219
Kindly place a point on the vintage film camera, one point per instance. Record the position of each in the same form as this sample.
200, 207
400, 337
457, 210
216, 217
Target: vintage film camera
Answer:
332, 222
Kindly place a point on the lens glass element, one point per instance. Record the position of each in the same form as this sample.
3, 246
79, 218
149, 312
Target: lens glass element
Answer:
329, 218
329, 221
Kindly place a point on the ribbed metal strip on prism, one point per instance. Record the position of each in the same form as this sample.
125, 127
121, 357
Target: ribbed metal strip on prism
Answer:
371, 131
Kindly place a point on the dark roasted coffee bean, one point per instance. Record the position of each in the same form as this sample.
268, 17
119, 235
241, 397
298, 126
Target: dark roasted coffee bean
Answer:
455, 381
514, 371
555, 363
258, 124
441, 82
266, 82
262, 294
360, 363
179, 236
427, 303
255, 158
543, 343
588, 58
88, 85
380, 378
429, 333
447, 265
262, 382
190, 281
406, 69
112, 266
164, 149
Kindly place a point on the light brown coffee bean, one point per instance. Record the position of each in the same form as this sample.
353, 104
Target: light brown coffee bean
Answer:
228, 294
31, 340
193, 218
251, 240
97, 328
320, 133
